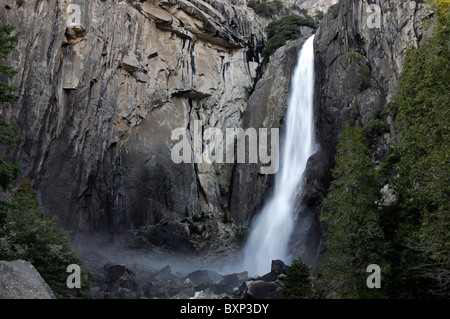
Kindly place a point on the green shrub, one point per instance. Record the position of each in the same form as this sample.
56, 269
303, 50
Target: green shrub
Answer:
223, 190
423, 184
226, 218
194, 229
354, 114
358, 70
153, 234
199, 218
25, 232
374, 128
318, 16
266, 8
282, 30
381, 113
413, 246
7, 44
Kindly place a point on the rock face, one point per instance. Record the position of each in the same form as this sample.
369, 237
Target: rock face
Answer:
20, 280
314, 5
101, 93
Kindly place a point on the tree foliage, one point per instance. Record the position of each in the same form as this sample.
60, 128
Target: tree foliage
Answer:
423, 184
354, 237
282, 30
266, 8
296, 283
7, 44
8, 171
25, 233
8, 137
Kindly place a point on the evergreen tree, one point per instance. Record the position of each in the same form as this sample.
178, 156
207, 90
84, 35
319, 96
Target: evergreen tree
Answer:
25, 233
423, 183
8, 172
284, 29
7, 44
296, 283
354, 238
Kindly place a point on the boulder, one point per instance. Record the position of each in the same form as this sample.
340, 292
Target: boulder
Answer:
176, 235
116, 273
164, 273
258, 289
228, 284
201, 279
278, 268
20, 280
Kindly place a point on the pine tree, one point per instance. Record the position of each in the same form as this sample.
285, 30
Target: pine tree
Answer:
354, 238
297, 284
423, 182
8, 172
7, 45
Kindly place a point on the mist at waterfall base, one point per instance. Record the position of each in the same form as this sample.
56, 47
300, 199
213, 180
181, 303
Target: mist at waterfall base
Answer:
271, 230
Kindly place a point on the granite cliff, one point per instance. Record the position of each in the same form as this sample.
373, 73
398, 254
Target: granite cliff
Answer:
99, 99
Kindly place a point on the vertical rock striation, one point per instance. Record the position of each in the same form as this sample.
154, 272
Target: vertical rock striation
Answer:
100, 97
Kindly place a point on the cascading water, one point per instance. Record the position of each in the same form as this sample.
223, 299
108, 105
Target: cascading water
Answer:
272, 229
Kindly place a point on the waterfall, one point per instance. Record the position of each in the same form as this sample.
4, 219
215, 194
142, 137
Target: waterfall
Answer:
272, 228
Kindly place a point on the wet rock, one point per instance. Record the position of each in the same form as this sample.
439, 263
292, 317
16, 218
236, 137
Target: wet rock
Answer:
258, 289
164, 273
229, 284
202, 279
151, 290
278, 266
176, 235
116, 273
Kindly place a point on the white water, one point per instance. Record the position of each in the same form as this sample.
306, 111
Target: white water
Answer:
272, 229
